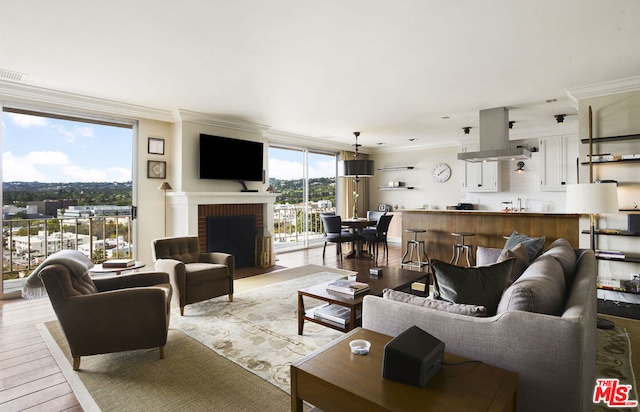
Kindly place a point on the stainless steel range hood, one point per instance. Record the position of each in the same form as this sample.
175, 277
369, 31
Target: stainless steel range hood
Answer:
494, 139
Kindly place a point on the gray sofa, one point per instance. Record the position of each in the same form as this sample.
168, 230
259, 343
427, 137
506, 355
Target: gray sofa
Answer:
553, 354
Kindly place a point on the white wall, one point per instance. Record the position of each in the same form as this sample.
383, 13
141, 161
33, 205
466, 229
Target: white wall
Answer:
147, 197
426, 191
187, 179
525, 186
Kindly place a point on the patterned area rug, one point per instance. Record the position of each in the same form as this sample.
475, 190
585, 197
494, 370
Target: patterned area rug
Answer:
259, 329
613, 360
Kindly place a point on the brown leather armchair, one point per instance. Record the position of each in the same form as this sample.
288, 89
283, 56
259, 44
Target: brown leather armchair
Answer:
195, 275
104, 315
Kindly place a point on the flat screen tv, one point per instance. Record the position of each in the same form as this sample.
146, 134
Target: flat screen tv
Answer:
230, 159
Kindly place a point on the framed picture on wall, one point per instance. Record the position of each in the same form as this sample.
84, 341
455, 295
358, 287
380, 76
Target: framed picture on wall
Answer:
156, 169
156, 146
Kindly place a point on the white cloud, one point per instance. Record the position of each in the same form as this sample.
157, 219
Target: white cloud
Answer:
71, 135
15, 169
284, 169
55, 167
25, 121
323, 168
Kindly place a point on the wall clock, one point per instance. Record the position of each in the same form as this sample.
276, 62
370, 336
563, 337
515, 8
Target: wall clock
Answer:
441, 172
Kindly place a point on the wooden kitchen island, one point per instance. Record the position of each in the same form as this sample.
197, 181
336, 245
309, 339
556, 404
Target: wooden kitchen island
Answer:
490, 228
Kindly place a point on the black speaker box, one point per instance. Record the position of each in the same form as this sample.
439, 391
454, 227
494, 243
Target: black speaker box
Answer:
634, 223
412, 357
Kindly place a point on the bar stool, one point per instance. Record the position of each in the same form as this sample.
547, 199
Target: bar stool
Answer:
460, 246
415, 246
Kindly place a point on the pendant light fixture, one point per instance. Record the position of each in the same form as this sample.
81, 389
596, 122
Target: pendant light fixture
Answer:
356, 167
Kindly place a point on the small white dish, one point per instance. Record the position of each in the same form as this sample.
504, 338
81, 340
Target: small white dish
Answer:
351, 277
360, 346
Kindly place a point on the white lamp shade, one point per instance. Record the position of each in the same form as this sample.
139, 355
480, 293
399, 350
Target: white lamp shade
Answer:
592, 198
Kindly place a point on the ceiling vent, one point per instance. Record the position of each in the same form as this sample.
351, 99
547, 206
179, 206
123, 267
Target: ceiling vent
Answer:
11, 75
494, 139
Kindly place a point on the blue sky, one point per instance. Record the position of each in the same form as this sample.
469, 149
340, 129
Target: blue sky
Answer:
51, 150
288, 164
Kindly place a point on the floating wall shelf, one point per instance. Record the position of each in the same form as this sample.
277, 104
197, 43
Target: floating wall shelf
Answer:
386, 169
395, 188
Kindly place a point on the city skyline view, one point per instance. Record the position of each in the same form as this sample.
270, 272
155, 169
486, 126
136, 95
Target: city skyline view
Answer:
45, 149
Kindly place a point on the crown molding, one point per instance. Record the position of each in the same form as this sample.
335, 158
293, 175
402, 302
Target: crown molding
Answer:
12, 93
182, 115
298, 140
630, 84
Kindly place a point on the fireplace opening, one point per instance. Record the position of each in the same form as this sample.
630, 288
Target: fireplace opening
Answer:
233, 234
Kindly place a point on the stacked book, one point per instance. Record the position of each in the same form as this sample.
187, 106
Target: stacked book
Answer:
349, 287
335, 314
610, 254
118, 263
607, 157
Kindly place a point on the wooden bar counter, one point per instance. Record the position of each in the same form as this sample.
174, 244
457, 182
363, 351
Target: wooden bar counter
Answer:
490, 228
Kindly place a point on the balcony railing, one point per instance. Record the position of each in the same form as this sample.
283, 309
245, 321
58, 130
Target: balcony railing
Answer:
27, 242
292, 229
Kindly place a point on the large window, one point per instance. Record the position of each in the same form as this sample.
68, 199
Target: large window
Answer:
306, 183
67, 184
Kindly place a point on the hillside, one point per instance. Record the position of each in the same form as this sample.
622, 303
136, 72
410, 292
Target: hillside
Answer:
87, 193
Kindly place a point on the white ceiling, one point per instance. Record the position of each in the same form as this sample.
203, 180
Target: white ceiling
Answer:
324, 69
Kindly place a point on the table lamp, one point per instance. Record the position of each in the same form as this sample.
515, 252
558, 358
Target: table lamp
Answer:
592, 199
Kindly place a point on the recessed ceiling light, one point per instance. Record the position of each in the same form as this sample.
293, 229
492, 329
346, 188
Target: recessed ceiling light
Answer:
380, 143
552, 100
445, 117
412, 139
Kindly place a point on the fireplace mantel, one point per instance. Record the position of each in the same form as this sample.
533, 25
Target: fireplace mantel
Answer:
213, 198
182, 207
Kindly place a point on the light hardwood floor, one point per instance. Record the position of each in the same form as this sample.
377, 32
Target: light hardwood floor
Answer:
30, 379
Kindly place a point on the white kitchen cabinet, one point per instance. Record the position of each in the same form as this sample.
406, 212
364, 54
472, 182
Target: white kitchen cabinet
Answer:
558, 162
481, 176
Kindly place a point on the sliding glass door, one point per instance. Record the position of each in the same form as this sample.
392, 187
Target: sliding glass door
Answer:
306, 183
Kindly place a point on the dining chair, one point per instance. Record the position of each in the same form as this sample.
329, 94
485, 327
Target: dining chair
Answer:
373, 215
333, 233
378, 236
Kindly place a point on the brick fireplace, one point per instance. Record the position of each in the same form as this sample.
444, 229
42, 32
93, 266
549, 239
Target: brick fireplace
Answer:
188, 211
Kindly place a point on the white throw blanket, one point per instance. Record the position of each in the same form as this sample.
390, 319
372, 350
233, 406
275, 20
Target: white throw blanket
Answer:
77, 263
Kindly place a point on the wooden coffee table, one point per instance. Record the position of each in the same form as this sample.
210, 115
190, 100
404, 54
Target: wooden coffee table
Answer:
392, 278
334, 379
